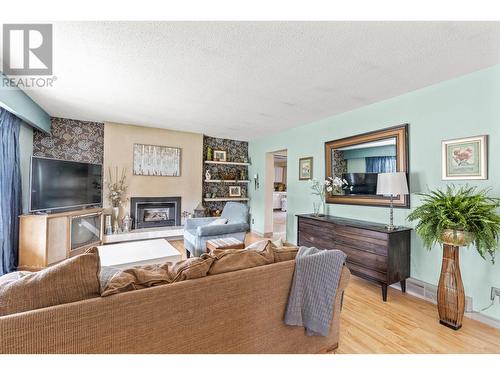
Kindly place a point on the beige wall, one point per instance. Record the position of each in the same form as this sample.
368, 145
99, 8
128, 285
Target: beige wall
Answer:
119, 140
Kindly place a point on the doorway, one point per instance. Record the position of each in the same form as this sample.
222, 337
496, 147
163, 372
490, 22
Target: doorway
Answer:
276, 192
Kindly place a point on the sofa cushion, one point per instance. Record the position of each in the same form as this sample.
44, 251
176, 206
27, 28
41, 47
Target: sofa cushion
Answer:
235, 212
261, 245
141, 277
219, 221
284, 253
238, 259
72, 280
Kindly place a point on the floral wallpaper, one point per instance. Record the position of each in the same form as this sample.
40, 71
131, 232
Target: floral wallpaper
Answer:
71, 140
236, 151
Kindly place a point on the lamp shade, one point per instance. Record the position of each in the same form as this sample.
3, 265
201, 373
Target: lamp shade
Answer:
392, 183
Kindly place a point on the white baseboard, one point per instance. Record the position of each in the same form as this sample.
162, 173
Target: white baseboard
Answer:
428, 292
484, 319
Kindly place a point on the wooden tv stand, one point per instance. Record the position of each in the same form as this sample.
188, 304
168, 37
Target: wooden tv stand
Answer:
45, 239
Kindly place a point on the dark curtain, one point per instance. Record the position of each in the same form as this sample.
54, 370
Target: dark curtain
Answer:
381, 164
10, 191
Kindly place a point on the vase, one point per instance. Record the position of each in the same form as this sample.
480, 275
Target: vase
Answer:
456, 237
450, 295
316, 208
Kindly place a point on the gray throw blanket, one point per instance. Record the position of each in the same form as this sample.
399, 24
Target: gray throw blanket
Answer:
314, 287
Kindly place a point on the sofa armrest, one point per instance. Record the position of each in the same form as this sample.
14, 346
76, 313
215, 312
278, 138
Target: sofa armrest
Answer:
215, 230
193, 223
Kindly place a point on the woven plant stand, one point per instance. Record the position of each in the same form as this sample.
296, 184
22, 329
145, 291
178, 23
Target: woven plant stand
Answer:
451, 296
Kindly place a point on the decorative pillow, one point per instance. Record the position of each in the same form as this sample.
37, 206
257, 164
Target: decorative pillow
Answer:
261, 245
238, 259
284, 253
72, 280
220, 221
141, 277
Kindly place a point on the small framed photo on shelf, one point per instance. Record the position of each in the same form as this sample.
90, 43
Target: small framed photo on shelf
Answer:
306, 168
220, 155
465, 158
235, 191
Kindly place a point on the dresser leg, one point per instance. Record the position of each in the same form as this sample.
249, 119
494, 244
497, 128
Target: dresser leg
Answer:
403, 285
384, 292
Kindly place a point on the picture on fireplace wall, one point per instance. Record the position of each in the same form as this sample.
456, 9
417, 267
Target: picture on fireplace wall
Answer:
151, 160
234, 191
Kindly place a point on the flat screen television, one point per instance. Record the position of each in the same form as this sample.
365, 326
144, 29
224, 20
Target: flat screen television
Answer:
360, 183
59, 185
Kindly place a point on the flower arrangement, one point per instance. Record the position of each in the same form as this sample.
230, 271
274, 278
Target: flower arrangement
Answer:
321, 188
330, 185
117, 187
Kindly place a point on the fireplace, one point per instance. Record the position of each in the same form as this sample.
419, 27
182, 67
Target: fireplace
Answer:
150, 212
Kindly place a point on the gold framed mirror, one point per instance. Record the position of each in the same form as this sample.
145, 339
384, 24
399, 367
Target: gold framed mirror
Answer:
358, 159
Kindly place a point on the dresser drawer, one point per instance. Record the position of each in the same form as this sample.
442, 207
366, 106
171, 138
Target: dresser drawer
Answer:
310, 240
363, 244
364, 272
354, 232
312, 227
363, 258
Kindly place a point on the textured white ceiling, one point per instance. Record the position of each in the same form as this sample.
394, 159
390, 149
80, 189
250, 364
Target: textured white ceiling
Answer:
245, 80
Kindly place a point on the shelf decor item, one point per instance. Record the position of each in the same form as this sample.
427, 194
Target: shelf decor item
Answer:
108, 228
392, 184
234, 191
220, 155
200, 211
455, 217
210, 154
465, 158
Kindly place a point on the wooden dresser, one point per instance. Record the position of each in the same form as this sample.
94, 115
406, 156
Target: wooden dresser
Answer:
373, 252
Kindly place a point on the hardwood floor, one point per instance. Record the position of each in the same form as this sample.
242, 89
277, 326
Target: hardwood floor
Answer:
403, 324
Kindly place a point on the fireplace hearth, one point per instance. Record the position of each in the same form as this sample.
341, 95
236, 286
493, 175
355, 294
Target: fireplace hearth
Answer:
150, 212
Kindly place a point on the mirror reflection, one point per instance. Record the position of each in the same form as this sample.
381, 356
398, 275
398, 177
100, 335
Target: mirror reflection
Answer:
358, 165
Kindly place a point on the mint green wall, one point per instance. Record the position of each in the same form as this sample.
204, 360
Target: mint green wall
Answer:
17, 102
465, 106
26, 150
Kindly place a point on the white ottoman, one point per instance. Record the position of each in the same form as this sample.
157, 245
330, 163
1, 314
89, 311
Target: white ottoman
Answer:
138, 253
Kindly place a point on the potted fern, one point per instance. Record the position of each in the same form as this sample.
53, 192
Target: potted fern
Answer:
454, 217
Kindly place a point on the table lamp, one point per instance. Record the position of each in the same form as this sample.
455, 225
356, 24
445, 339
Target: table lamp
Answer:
392, 184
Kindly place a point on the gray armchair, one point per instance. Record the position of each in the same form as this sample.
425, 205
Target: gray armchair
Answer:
197, 231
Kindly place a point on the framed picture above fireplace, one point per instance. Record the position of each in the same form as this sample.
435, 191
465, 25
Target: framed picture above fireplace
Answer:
151, 160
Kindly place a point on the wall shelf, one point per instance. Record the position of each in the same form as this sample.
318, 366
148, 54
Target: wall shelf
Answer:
226, 162
230, 181
225, 199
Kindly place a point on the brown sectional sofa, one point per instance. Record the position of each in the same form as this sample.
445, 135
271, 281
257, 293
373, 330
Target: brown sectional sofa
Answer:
234, 312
